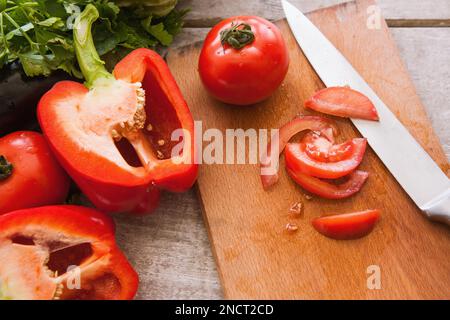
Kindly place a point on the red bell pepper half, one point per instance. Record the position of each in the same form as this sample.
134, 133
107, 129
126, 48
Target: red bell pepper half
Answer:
62, 252
113, 136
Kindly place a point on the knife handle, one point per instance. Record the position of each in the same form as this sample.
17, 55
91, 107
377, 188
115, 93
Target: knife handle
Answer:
439, 209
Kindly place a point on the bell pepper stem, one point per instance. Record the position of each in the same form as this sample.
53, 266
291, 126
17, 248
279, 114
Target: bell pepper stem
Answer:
92, 67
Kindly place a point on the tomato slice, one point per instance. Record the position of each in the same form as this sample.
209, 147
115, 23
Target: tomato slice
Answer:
327, 190
319, 158
347, 226
343, 102
321, 149
269, 163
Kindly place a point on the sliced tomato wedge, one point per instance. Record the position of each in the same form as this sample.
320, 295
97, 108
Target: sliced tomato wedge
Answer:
269, 161
328, 190
318, 157
347, 226
343, 102
321, 149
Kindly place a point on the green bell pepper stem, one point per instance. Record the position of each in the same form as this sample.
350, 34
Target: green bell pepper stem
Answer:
92, 67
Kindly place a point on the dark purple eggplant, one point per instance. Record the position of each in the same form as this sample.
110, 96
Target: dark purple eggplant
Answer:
19, 97
20, 94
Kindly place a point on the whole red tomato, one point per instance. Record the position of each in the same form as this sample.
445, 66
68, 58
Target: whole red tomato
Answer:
29, 174
244, 60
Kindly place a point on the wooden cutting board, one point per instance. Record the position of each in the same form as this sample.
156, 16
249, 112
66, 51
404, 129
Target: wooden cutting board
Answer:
256, 256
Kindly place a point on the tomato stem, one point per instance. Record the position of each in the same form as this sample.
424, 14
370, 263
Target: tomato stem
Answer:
6, 168
236, 36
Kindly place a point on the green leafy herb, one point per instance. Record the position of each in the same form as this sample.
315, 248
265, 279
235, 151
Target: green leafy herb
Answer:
39, 34
6, 168
158, 31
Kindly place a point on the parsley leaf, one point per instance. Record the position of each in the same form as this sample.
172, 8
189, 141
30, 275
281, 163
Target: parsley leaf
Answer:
157, 31
38, 32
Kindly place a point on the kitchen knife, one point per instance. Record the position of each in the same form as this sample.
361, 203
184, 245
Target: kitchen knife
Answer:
408, 162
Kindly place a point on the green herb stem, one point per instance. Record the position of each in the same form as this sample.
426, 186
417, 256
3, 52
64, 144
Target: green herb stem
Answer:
2, 33
14, 23
28, 4
47, 46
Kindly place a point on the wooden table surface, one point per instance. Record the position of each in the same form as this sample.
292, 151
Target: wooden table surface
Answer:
170, 249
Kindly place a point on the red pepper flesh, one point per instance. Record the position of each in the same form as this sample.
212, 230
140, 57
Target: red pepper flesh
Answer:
62, 252
113, 136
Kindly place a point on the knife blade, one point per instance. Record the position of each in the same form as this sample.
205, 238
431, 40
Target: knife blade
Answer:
408, 162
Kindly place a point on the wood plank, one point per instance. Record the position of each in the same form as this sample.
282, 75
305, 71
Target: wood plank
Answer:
206, 13
170, 250
425, 52
163, 269
164, 277
256, 257
418, 23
